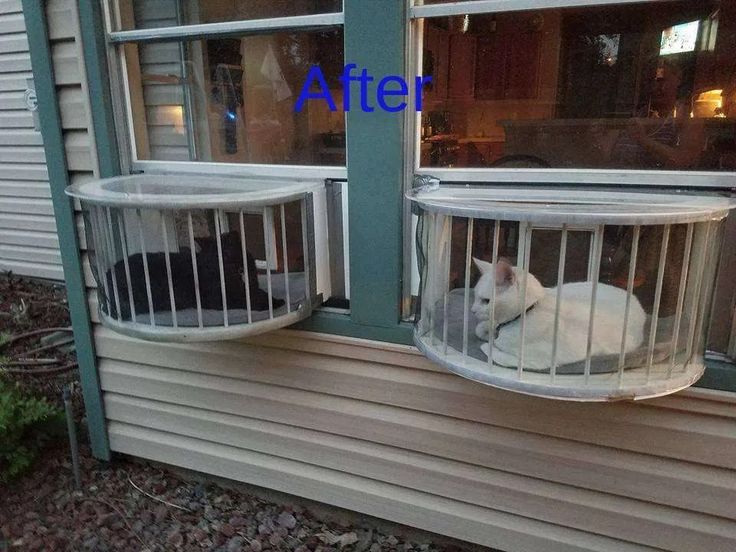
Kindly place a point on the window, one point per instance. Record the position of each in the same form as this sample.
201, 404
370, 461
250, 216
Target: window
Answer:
638, 86
217, 81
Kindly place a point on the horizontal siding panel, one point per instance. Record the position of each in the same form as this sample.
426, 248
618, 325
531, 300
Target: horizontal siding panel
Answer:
646, 477
13, 43
12, 221
419, 509
163, 94
66, 60
163, 153
634, 427
31, 269
30, 254
12, 23
159, 52
72, 108
13, 63
29, 154
16, 119
167, 136
14, 137
16, 206
11, 6
571, 507
12, 100
29, 238
40, 190
15, 81
19, 171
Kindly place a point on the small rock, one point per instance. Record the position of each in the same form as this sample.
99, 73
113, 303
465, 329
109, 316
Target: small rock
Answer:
235, 544
276, 540
238, 521
287, 520
375, 547
391, 540
175, 539
160, 513
209, 512
346, 539
199, 535
227, 530
256, 546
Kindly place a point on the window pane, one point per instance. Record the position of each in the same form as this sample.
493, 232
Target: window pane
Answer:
634, 86
146, 14
232, 100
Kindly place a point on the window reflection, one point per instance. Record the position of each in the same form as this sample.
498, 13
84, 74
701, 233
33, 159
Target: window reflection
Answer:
637, 86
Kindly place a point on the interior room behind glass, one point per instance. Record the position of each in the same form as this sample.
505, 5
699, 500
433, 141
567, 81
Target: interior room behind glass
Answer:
637, 86
231, 99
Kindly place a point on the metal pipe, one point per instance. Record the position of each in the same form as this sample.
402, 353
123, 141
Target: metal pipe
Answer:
110, 240
99, 255
466, 295
167, 259
629, 295
126, 264
218, 230
598, 237
657, 299
309, 290
524, 284
195, 269
246, 272
696, 295
448, 252
146, 274
492, 302
269, 260
558, 301
685, 267
72, 430
285, 256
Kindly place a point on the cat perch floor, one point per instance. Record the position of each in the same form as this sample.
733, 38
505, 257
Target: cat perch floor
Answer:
570, 381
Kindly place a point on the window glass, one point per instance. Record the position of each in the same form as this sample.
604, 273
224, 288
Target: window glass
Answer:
146, 14
233, 99
647, 86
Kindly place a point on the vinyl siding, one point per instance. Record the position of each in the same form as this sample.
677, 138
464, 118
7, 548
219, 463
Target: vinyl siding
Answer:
377, 428
28, 242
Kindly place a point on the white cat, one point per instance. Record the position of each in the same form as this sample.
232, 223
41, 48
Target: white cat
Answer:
540, 317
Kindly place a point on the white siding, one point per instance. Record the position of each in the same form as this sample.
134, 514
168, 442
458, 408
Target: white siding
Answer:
28, 242
378, 429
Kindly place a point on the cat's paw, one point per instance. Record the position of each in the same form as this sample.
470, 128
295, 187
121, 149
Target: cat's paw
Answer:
481, 330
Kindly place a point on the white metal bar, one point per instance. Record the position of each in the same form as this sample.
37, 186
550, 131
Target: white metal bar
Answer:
126, 264
195, 269
657, 299
218, 238
99, 254
685, 267
146, 274
598, 237
705, 299
466, 296
624, 178
696, 294
558, 302
492, 302
251, 26
308, 292
524, 286
448, 252
167, 259
300, 172
285, 256
110, 240
246, 272
495, 6
266, 241
629, 294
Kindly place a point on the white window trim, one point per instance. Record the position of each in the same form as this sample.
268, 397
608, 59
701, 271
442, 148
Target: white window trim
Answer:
121, 100
493, 6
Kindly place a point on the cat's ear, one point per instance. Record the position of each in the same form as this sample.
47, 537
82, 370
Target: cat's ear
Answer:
483, 266
504, 273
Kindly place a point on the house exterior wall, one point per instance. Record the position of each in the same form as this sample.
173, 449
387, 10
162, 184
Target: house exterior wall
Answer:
28, 242
376, 428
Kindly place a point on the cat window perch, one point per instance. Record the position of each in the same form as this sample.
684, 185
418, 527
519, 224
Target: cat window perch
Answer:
193, 258
574, 294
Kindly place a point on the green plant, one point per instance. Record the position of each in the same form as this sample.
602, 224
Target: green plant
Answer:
26, 425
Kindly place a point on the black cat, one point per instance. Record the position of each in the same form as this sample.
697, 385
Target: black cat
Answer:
182, 276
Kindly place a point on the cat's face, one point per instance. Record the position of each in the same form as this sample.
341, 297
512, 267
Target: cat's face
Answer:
507, 281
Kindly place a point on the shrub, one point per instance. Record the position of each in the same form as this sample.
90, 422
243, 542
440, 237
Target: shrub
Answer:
26, 425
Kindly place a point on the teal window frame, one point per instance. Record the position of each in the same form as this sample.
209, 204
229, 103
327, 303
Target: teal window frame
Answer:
376, 37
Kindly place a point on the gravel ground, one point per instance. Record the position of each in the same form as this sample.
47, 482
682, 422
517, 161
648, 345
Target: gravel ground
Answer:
42, 512
136, 506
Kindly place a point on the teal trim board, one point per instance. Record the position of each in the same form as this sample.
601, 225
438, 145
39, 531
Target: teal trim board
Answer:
98, 82
50, 119
375, 40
